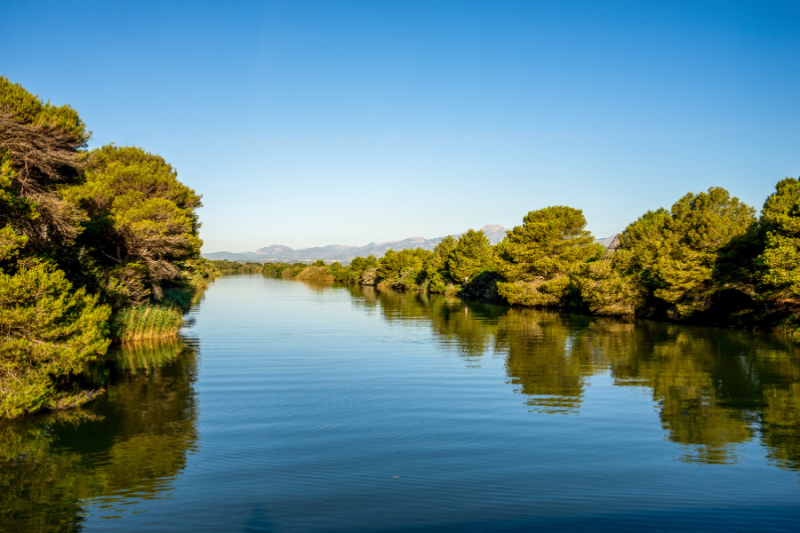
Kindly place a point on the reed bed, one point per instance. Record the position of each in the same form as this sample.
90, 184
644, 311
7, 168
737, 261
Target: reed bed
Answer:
146, 322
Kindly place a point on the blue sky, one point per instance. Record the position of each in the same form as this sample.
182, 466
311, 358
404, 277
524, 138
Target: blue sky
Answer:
310, 123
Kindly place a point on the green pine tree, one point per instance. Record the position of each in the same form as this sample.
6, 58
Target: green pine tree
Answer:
142, 220
472, 255
537, 258
49, 332
779, 262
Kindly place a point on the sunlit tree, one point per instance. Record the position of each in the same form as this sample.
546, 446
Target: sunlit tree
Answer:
142, 220
779, 263
472, 255
537, 258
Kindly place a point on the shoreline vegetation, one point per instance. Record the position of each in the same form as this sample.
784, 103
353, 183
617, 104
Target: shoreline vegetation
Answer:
96, 247
708, 260
102, 246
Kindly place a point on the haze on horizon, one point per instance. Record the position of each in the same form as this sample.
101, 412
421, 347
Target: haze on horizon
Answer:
311, 123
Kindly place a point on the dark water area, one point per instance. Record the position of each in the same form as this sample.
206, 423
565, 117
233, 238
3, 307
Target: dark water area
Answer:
297, 407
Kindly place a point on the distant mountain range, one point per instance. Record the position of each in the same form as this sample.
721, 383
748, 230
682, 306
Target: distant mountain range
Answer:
345, 253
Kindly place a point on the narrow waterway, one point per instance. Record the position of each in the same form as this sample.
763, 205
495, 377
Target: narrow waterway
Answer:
298, 407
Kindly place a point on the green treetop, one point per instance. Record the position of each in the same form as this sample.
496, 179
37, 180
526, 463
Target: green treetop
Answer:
39, 146
779, 263
472, 255
619, 287
436, 269
359, 264
437, 261
537, 258
27, 108
670, 259
397, 264
141, 218
698, 228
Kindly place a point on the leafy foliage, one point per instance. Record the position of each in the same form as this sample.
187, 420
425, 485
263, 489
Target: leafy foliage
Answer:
81, 234
139, 214
29, 109
472, 255
699, 227
402, 269
39, 146
436, 266
48, 331
537, 258
779, 263
607, 291
669, 258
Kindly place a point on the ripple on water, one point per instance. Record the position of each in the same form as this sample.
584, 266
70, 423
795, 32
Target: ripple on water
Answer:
300, 408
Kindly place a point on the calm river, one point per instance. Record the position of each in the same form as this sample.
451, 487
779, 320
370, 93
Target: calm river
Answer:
297, 407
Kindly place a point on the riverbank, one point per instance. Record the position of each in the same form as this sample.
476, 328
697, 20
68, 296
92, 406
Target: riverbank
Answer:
771, 317
707, 260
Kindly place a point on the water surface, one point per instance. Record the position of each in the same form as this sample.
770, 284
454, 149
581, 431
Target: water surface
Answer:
299, 407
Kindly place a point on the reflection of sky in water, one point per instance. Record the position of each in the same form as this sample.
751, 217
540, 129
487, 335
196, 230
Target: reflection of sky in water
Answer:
305, 408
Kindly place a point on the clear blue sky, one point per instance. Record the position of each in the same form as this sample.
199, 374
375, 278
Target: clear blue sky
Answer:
310, 123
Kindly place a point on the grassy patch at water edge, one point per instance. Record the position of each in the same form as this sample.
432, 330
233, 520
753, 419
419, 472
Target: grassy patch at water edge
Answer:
146, 322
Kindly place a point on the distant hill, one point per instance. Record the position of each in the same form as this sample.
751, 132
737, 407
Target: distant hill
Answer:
345, 253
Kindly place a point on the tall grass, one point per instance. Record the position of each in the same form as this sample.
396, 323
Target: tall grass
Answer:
146, 322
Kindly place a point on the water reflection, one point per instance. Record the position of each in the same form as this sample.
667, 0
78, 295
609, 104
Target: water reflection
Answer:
141, 432
714, 391
715, 388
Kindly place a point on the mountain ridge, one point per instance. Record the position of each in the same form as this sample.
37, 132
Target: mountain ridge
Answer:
345, 252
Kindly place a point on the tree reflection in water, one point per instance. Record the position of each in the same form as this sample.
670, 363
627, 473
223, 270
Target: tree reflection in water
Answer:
141, 432
715, 388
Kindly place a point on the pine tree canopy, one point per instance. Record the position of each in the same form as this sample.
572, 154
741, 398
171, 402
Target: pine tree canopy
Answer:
38, 155
472, 255
139, 213
537, 258
699, 226
47, 331
671, 256
779, 263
